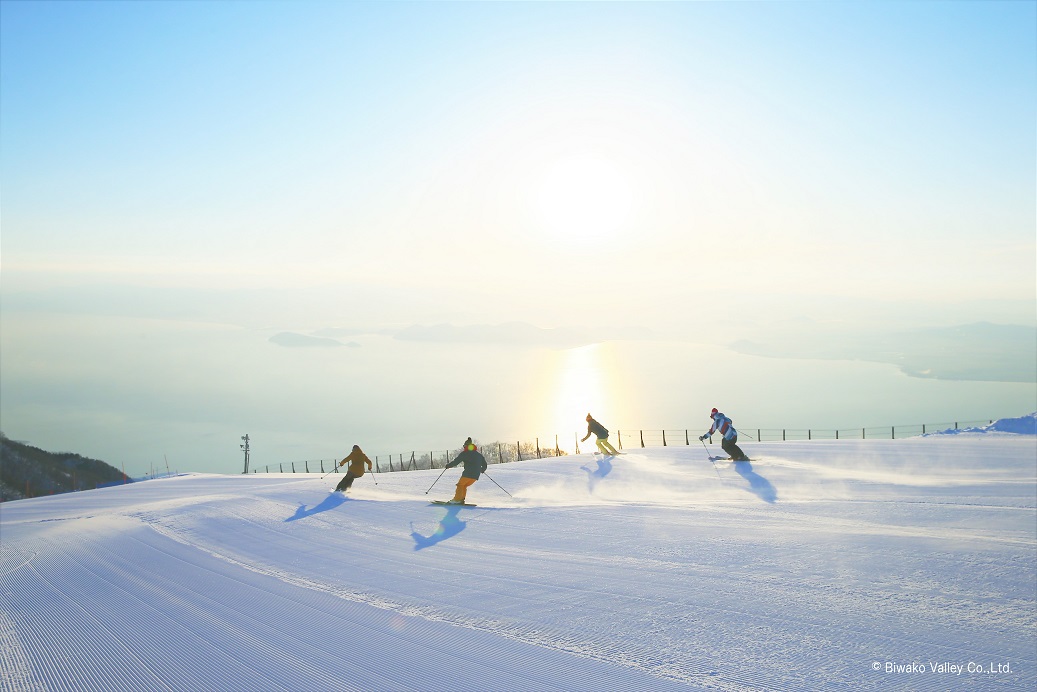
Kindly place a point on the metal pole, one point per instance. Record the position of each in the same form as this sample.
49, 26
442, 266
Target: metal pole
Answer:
245, 448
711, 460
436, 481
499, 485
335, 466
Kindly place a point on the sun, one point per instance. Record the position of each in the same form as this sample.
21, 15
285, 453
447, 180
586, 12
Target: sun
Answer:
583, 198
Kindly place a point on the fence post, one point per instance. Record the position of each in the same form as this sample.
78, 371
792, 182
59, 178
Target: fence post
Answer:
538, 447
808, 434
687, 439
664, 437
642, 439
619, 434
782, 436
518, 451
576, 436
837, 433
280, 467
307, 466
558, 450
893, 432
293, 467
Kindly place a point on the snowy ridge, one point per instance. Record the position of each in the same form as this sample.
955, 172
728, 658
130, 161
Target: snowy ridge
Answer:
818, 565
1024, 425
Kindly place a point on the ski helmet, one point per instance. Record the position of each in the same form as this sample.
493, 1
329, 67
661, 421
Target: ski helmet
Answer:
713, 412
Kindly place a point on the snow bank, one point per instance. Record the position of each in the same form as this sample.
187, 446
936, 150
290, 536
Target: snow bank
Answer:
1024, 425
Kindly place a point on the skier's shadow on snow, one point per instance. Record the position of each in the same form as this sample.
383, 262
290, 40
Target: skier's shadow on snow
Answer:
594, 476
449, 526
332, 501
758, 485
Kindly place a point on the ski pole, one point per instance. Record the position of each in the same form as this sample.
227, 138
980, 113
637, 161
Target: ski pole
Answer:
374, 476
436, 481
499, 486
711, 460
706, 448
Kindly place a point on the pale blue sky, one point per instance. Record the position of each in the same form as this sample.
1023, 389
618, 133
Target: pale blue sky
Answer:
700, 169
274, 138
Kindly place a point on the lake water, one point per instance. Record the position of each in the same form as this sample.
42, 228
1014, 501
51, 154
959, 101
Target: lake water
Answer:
137, 393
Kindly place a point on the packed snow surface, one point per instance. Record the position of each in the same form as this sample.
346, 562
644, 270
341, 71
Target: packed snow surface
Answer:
850, 565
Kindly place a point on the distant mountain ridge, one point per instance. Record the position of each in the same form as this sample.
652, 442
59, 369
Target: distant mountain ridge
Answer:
981, 352
27, 471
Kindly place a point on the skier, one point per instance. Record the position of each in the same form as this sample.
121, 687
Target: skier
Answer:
722, 424
356, 461
602, 434
474, 464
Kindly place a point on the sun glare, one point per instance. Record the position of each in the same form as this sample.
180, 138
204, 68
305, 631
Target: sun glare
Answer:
578, 381
583, 198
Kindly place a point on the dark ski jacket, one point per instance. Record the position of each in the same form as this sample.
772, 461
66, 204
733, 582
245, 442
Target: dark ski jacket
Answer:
474, 463
597, 428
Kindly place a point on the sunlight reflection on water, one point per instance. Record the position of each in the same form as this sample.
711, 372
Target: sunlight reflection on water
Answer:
583, 380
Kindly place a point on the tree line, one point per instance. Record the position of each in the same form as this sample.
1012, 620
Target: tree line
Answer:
27, 471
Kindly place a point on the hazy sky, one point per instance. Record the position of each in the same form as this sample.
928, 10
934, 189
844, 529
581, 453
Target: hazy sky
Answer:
673, 166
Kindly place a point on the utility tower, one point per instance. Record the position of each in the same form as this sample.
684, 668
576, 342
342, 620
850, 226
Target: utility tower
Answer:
245, 447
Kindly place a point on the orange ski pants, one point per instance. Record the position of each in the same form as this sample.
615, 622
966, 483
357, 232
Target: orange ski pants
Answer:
462, 488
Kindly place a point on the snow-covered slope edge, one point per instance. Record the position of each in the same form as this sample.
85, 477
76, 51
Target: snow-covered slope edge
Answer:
1023, 425
819, 565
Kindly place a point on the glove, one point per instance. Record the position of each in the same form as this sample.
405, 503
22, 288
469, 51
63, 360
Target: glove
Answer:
702, 437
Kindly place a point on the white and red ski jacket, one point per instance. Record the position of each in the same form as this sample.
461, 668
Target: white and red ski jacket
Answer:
722, 424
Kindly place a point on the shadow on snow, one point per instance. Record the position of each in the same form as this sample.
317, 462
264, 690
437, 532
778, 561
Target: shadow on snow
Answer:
594, 476
758, 485
333, 500
449, 526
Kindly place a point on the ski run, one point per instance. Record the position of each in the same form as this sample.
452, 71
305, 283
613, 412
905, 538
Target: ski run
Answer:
824, 565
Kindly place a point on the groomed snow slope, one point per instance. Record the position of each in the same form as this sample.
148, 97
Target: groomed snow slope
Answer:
819, 565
